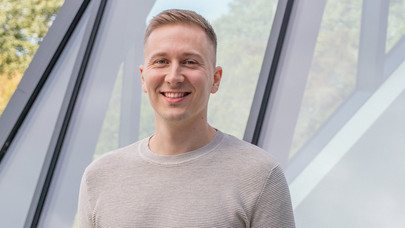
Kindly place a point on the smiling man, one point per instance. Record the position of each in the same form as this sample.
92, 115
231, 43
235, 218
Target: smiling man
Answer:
179, 74
188, 174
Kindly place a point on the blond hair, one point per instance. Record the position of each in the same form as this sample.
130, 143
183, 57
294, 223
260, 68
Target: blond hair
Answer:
178, 16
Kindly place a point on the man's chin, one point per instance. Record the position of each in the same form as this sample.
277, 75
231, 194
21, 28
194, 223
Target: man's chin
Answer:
174, 117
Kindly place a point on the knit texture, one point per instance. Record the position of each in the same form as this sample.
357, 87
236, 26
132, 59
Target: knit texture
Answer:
227, 183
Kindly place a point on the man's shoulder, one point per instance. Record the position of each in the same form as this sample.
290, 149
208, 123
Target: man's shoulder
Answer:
246, 153
114, 159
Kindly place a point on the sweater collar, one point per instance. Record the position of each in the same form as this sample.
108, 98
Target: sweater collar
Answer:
148, 155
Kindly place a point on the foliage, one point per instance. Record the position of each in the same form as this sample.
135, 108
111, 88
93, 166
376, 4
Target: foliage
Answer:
242, 34
108, 138
7, 87
147, 125
332, 76
23, 25
333, 72
396, 23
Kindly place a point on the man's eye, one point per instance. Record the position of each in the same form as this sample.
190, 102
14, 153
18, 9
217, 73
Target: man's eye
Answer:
161, 61
190, 62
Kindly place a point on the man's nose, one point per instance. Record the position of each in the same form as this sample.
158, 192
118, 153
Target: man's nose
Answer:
174, 75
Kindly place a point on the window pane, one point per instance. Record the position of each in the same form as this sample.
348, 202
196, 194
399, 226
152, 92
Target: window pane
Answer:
396, 23
336, 118
22, 164
23, 26
332, 75
112, 111
107, 111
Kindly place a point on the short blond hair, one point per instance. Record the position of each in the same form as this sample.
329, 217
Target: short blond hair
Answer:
178, 16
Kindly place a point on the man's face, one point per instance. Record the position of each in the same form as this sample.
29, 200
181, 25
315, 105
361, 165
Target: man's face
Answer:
179, 73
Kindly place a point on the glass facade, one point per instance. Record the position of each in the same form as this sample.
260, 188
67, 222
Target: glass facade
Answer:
21, 167
333, 120
336, 108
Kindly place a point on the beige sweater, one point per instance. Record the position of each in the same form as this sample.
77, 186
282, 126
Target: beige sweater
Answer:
227, 183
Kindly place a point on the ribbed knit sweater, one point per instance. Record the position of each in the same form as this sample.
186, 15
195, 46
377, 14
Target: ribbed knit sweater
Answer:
227, 183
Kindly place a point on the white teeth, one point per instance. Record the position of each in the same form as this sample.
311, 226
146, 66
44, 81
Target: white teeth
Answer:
175, 95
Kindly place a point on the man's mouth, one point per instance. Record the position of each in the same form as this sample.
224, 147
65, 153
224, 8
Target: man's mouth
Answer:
175, 94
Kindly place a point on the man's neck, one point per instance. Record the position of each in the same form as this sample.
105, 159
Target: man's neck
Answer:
175, 138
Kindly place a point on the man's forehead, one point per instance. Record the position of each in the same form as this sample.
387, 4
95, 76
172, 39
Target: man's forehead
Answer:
189, 32
180, 53
163, 30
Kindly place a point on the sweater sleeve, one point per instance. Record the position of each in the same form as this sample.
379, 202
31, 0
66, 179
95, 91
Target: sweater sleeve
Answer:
273, 208
84, 209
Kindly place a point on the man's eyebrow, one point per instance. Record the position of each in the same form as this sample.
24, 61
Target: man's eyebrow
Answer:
158, 54
192, 54
186, 54
154, 56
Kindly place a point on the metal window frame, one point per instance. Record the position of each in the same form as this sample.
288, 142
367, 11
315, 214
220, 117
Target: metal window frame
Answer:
62, 124
372, 37
268, 71
374, 13
107, 37
374, 25
292, 78
38, 71
395, 57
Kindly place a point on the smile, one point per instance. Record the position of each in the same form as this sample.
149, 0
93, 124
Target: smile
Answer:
175, 94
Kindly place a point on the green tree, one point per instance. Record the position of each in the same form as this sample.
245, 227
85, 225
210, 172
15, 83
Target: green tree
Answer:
242, 34
396, 23
332, 77
23, 25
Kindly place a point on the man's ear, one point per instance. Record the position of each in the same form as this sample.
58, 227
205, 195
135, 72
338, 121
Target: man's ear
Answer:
217, 79
143, 80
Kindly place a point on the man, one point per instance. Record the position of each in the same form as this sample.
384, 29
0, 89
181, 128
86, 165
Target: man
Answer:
188, 174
